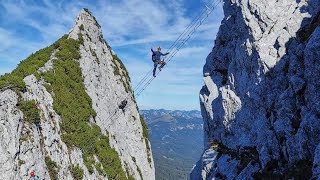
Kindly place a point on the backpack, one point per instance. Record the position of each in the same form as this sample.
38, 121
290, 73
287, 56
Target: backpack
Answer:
154, 57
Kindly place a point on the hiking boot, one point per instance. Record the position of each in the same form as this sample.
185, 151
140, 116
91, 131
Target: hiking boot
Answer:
162, 65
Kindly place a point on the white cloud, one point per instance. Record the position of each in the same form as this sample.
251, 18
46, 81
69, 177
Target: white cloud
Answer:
133, 25
140, 22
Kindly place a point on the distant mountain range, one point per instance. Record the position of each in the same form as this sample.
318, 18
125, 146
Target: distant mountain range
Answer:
177, 141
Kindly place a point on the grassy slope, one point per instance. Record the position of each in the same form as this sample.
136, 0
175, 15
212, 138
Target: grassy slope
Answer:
71, 102
75, 107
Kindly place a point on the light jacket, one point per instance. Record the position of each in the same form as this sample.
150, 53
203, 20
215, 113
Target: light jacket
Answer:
158, 54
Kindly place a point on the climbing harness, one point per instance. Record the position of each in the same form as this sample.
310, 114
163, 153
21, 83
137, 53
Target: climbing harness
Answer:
153, 57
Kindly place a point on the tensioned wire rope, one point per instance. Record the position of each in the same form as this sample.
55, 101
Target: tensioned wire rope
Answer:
173, 50
200, 18
183, 38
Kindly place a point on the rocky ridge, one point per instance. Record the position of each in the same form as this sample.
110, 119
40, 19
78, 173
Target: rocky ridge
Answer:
35, 133
260, 102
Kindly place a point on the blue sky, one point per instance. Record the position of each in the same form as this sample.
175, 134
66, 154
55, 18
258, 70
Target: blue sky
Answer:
131, 27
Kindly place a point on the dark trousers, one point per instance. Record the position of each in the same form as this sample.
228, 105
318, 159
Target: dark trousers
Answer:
155, 65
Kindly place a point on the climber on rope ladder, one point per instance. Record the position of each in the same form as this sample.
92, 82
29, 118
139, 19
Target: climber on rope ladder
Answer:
156, 58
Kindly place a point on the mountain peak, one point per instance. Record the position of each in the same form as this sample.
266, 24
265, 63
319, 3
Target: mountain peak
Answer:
86, 24
51, 122
86, 16
85, 11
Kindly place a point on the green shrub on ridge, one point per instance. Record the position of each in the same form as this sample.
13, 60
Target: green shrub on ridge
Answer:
27, 67
52, 168
76, 172
74, 105
31, 113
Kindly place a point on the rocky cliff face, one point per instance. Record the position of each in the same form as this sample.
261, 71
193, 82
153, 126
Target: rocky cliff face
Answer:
260, 102
59, 113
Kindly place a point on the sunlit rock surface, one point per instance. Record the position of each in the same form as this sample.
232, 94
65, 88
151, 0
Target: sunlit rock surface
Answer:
24, 146
261, 102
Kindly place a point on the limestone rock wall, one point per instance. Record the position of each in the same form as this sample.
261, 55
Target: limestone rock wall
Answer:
260, 102
24, 147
